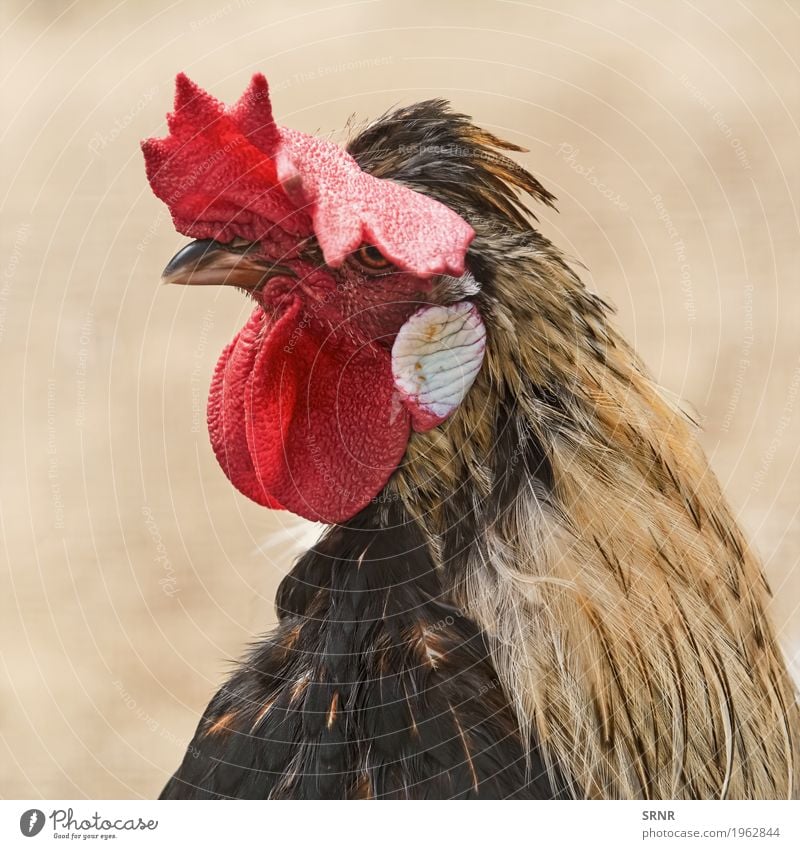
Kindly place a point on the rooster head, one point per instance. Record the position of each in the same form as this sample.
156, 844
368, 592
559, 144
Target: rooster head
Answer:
362, 330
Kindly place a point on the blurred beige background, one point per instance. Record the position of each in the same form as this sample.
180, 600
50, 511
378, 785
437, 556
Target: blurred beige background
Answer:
132, 573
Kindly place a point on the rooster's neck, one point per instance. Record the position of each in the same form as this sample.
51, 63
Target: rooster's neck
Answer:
579, 524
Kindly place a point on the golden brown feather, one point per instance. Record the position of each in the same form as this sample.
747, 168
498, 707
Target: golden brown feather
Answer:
626, 610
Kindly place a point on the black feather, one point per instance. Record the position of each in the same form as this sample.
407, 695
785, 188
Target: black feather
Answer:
373, 685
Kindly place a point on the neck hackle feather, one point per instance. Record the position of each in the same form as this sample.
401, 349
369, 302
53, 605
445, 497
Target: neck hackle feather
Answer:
577, 520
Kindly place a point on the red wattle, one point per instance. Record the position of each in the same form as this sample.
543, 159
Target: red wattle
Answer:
301, 417
226, 420
306, 419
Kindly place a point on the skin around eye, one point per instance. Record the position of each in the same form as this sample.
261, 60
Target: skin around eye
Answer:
371, 259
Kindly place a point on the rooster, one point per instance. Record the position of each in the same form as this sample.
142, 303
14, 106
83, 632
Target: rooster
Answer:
531, 586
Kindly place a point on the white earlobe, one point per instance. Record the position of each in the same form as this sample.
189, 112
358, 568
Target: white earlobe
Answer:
435, 359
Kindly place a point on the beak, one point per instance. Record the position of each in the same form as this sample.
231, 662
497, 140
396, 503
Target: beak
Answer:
210, 263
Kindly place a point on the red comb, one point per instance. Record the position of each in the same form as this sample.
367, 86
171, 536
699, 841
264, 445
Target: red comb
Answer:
215, 181
228, 172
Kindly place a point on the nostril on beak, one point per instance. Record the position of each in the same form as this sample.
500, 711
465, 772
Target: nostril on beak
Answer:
191, 255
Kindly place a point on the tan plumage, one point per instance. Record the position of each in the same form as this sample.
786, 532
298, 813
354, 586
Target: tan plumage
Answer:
626, 609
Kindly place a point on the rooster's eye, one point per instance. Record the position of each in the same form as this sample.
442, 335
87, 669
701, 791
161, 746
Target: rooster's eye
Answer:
371, 259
